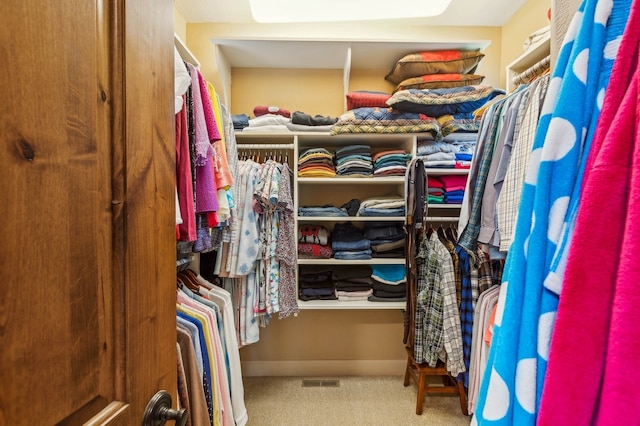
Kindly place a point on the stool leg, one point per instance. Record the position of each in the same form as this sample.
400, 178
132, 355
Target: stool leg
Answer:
463, 399
421, 384
407, 372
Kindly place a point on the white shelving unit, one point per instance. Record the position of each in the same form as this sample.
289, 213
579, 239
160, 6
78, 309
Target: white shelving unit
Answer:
339, 54
533, 55
338, 190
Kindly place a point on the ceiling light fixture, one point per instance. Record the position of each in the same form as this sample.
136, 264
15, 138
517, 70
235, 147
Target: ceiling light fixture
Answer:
289, 11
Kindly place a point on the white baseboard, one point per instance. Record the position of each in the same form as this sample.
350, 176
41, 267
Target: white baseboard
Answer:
324, 368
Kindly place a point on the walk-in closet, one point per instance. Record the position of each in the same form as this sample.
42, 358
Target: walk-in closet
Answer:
420, 217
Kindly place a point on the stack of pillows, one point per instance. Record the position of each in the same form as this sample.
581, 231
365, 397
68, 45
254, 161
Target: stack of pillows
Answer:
429, 84
436, 70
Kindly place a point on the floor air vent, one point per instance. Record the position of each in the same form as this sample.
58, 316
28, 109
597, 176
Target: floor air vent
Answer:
318, 383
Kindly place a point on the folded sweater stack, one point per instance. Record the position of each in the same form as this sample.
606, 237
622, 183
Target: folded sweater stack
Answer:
390, 163
316, 162
354, 160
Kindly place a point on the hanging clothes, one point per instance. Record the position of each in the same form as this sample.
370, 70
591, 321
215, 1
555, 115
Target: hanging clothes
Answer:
592, 368
208, 307
514, 376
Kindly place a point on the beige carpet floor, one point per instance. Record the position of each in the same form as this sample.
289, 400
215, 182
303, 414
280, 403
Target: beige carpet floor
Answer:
275, 401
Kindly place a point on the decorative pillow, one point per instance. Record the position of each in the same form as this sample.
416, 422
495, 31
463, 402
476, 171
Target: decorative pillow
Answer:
437, 102
435, 62
440, 81
384, 120
365, 98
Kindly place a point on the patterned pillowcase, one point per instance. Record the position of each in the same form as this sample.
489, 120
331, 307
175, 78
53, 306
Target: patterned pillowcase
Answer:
460, 123
435, 62
366, 98
438, 81
384, 120
438, 102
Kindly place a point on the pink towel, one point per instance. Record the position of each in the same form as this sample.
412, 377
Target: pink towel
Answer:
594, 360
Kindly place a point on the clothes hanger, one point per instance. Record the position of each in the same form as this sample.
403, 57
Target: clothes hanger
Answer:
452, 234
189, 282
199, 282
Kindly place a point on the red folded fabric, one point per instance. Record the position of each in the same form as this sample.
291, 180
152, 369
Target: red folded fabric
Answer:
263, 110
309, 250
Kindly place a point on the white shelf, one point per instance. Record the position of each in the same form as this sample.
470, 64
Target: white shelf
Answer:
350, 219
184, 51
373, 261
351, 181
337, 304
328, 53
445, 206
533, 55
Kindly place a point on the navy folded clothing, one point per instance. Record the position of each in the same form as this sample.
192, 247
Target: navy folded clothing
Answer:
240, 121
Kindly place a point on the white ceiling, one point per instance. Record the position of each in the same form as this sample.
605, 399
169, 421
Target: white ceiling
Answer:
493, 13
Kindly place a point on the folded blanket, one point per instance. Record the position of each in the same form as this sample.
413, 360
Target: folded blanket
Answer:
268, 120
305, 128
274, 128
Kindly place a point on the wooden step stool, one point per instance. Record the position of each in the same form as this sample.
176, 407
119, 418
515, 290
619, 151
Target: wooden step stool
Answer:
419, 372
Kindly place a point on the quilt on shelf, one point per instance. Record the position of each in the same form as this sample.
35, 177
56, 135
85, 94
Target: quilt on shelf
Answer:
384, 120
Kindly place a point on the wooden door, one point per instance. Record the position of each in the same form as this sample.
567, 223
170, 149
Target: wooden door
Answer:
87, 291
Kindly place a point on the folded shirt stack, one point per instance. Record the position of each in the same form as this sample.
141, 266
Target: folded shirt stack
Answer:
389, 283
435, 190
436, 154
314, 242
390, 163
387, 239
268, 123
389, 206
316, 162
325, 210
349, 243
353, 282
354, 161
454, 186
315, 282
464, 145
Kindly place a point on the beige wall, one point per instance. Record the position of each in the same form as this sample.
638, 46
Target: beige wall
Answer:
180, 25
329, 343
317, 92
530, 18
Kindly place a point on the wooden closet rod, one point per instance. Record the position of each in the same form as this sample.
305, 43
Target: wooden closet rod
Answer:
265, 146
441, 219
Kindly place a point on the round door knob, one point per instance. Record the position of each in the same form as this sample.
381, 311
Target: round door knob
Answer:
159, 410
